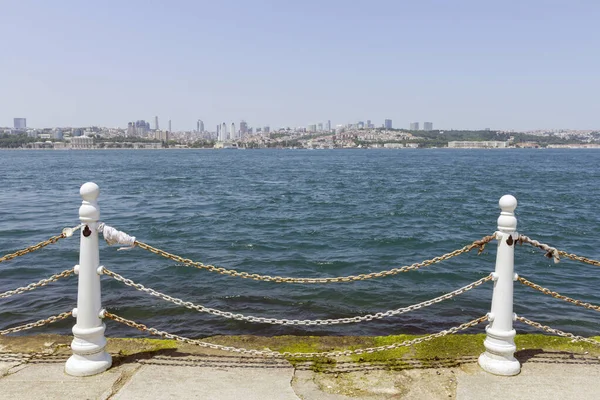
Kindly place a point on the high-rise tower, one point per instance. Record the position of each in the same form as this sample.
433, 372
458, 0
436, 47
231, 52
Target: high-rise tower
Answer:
233, 133
156, 123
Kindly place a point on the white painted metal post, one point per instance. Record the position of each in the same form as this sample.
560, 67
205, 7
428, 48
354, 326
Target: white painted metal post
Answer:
500, 345
89, 354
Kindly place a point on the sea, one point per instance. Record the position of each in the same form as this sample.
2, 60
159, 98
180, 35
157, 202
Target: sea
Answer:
302, 213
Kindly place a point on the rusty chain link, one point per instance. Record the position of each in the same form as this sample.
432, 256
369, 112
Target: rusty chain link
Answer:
479, 244
41, 322
557, 332
275, 321
35, 285
67, 232
552, 252
557, 295
270, 353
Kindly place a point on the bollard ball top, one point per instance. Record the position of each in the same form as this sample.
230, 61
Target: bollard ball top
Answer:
89, 191
508, 203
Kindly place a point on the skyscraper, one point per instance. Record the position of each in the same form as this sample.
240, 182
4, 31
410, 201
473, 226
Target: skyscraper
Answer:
328, 125
243, 128
369, 124
427, 126
224, 132
169, 126
219, 133
156, 123
414, 126
388, 124
232, 133
20, 123
200, 126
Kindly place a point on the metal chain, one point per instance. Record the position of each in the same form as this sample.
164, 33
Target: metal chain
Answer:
479, 244
67, 232
557, 332
35, 285
557, 295
41, 322
275, 321
270, 353
552, 252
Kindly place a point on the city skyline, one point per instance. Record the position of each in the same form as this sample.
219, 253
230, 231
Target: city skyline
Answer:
509, 65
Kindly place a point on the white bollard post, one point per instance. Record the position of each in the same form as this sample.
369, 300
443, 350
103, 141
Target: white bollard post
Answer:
89, 354
500, 345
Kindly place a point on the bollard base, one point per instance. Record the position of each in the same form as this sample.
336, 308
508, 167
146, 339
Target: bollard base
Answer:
499, 365
89, 364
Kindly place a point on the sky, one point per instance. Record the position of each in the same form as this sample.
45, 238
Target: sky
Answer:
518, 65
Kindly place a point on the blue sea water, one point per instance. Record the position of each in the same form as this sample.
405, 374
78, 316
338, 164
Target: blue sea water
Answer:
302, 213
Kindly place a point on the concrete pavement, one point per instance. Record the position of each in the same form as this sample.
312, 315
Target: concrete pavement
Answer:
34, 370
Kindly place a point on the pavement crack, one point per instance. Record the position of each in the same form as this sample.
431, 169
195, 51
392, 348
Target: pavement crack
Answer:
125, 377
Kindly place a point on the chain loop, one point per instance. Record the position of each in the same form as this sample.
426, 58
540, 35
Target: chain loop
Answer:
41, 322
67, 232
35, 285
270, 353
557, 332
557, 295
479, 244
275, 321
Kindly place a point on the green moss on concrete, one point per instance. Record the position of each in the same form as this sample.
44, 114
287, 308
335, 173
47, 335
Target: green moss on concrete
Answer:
555, 343
129, 346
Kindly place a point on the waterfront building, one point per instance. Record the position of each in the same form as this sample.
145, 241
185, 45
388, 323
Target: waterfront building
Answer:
387, 124
414, 126
156, 123
82, 142
489, 144
427, 126
20, 123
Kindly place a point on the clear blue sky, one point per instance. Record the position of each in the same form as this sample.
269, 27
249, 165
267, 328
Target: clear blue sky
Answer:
460, 64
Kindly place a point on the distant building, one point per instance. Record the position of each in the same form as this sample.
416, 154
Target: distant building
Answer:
387, 124
490, 144
311, 128
156, 123
58, 134
163, 136
200, 126
169, 127
320, 127
328, 125
266, 129
79, 132
232, 133
82, 142
224, 132
414, 126
20, 123
369, 124
243, 128
427, 126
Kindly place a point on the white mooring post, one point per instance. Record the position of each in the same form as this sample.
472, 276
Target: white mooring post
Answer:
89, 354
499, 343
